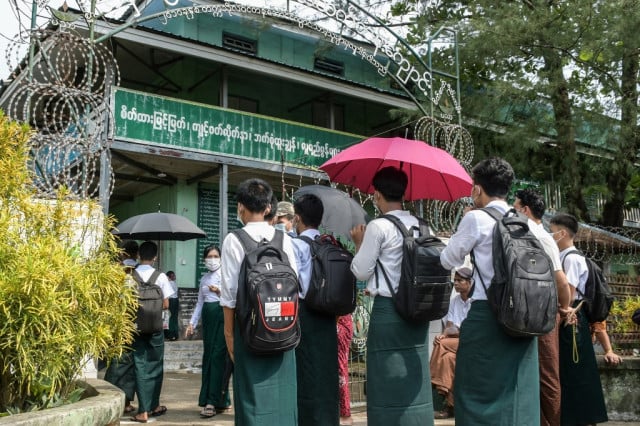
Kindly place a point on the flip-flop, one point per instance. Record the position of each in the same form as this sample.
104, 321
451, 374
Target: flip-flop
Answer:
207, 412
221, 410
129, 409
137, 420
161, 411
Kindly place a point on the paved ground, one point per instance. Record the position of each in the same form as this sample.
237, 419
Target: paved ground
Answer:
180, 395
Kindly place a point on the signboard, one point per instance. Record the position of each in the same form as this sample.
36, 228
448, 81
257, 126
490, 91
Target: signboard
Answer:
155, 119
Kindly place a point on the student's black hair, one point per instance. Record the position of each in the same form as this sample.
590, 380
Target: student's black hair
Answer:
391, 183
533, 199
273, 209
310, 209
254, 194
130, 249
148, 250
494, 175
208, 249
567, 221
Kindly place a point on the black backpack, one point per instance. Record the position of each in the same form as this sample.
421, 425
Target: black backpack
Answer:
267, 300
425, 285
150, 298
597, 295
523, 292
332, 288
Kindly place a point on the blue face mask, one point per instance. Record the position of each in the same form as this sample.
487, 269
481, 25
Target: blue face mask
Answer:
280, 226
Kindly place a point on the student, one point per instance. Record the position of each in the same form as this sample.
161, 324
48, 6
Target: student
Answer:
148, 349
213, 399
264, 386
317, 353
445, 345
582, 398
496, 378
121, 371
398, 389
530, 203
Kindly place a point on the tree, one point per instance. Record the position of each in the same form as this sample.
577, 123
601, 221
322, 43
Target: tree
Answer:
538, 68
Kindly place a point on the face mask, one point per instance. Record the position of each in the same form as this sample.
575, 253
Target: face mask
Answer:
281, 226
239, 219
212, 263
553, 235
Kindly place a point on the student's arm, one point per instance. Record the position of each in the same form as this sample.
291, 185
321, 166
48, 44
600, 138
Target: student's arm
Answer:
600, 330
229, 317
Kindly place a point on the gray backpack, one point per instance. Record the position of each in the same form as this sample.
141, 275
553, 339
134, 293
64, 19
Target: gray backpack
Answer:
523, 292
150, 298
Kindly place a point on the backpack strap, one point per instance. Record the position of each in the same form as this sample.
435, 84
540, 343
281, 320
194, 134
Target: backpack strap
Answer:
249, 243
423, 227
152, 279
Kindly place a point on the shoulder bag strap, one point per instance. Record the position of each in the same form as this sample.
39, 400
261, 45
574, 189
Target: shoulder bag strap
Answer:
398, 223
386, 278
154, 276
247, 242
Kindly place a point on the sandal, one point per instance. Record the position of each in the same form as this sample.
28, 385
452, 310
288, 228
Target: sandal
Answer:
159, 411
222, 410
137, 420
129, 409
207, 412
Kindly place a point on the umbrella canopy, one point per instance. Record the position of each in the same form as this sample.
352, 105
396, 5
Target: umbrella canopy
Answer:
158, 226
341, 212
433, 173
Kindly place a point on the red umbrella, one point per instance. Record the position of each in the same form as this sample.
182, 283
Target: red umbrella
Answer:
433, 173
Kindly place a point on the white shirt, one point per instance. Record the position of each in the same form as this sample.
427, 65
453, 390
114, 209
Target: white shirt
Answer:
382, 241
548, 244
145, 272
205, 295
475, 232
303, 259
233, 254
458, 310
174, 286
576, 270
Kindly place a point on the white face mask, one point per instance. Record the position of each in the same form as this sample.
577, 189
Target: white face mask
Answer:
212, 263
281, 226
239, 219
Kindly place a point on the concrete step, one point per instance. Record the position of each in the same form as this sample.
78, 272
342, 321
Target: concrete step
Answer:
183, 355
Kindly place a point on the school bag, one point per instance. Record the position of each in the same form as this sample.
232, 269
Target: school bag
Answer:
425, 285
597, 294
150, 298
267, 299
332, 288
523, 292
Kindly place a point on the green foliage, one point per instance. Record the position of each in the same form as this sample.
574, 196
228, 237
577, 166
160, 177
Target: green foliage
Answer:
621, 312
530, 71
63, 293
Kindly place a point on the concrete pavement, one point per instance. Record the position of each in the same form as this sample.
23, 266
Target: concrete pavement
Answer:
180, 395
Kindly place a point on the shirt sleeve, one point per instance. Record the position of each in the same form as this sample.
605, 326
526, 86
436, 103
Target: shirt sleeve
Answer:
195, 317
364, 262
461, 243
165, 285
232, 256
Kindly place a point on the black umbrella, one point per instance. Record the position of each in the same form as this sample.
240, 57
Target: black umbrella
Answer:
341, 212
158, 226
